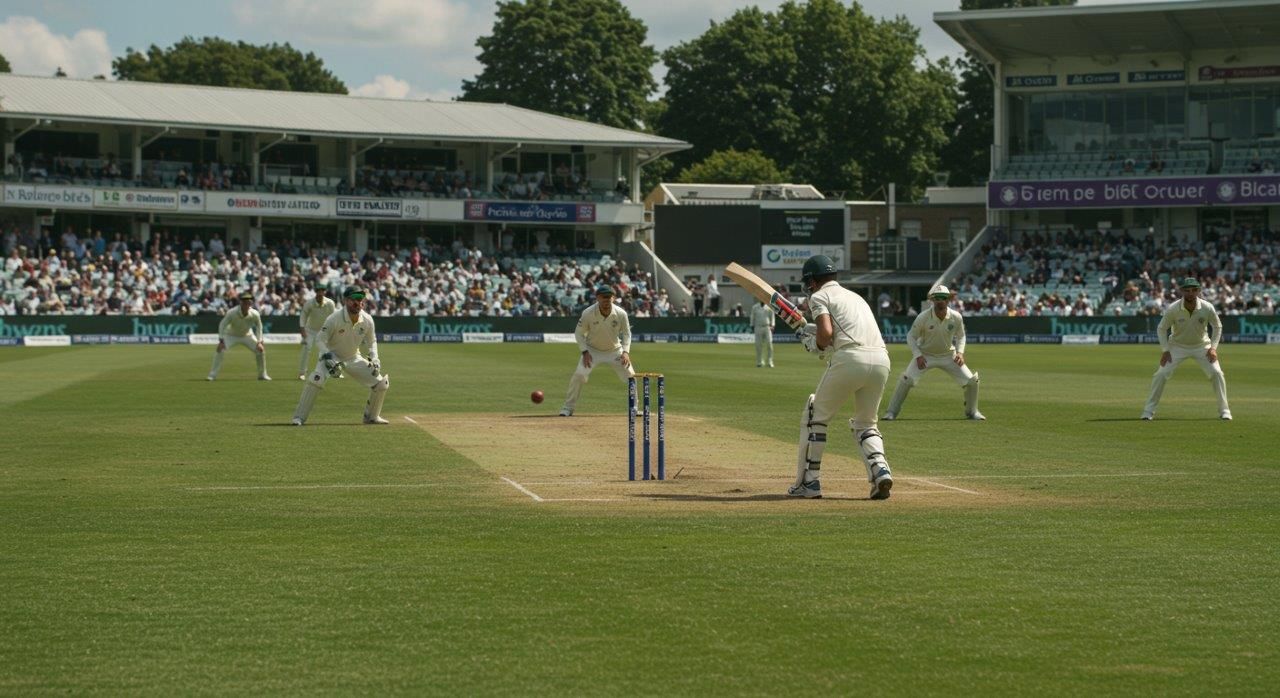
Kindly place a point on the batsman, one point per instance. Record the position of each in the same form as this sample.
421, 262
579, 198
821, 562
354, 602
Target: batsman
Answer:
344, 335
845, 335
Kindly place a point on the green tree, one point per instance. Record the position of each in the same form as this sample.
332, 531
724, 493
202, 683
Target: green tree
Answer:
827, 91
967, 155
4, 64
734, 167
731, 89
214, 61
585, 59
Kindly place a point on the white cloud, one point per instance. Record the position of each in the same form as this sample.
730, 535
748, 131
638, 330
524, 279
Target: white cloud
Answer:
33, 49
420, 23
391, 87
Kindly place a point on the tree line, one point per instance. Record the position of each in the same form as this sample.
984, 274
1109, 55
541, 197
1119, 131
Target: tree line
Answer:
817, 91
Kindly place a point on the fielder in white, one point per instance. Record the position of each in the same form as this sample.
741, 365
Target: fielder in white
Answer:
604, 338
341, 339
936, 340
241, 326
1184, 333
845, 334
314, 312
762, 320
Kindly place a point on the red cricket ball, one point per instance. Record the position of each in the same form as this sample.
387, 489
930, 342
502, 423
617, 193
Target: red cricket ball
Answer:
536, 396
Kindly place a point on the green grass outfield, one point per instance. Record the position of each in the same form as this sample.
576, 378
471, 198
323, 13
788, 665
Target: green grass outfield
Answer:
119, 575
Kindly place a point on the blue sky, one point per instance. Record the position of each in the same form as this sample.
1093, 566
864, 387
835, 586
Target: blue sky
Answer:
388, 48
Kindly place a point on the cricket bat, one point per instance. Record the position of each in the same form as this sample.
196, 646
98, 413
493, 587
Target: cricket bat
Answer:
763, 292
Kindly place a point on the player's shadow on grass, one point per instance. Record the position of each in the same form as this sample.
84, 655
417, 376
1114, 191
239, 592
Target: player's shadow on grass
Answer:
535, 416
1162, 419
729, 498
355, 425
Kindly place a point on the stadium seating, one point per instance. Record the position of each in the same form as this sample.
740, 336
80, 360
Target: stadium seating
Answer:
1187, 159
1118, 274
66, 276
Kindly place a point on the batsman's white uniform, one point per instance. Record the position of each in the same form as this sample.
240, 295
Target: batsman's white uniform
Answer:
938, 340
244, 330
345, 340
858, 367
1186, 335
762, 320
606, 338
311, 321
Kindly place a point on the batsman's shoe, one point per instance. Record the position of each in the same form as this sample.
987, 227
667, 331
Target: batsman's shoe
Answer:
297, 421
1226, 415
264, 377
976, 416
566, 412
809, 490
770, 364
302, 376
375, 420
1147, 416
882, 483
209, 378
889, 416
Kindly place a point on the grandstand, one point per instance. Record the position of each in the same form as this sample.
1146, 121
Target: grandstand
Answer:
123, 197
1133, 143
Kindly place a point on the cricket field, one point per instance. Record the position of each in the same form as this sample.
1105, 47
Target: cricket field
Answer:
167, 535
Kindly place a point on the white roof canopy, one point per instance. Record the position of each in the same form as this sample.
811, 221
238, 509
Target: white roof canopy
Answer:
129, 103
1158, 27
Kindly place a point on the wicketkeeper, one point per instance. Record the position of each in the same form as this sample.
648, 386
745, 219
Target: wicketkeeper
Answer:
341, 339
936, 340
1190, 329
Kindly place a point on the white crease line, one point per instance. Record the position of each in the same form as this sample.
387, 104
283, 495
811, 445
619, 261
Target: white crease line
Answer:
409, 419
939, 484
522, 488
230, 488
563, 482
577, 500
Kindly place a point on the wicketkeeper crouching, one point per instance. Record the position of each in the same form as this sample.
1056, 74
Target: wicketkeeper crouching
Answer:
344, 335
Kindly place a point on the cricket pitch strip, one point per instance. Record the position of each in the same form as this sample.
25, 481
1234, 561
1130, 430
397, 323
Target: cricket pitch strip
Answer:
583, 459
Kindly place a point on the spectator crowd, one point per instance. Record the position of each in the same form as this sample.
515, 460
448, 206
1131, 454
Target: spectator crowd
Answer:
1072, 273
91, 275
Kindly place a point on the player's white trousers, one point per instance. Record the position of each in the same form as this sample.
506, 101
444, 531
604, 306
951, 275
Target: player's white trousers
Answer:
249, 343
946, 362
764, 347
857, 373
1212, 370
308, 343
612, 359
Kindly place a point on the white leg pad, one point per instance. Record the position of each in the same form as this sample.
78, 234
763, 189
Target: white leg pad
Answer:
813, 442
971, 396
377, 394
900, 394
872, 445
308, 399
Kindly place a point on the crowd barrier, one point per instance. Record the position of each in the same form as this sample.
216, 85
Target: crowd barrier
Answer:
558, 338
50, 330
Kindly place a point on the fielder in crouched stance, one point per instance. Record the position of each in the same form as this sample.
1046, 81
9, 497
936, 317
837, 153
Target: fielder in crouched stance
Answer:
1184, 334
241, 326
936, 340
340, 340
844, 333
604, 338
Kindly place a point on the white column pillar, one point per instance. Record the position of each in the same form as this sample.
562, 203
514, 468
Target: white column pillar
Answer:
351, 162
254, 174
137, 153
